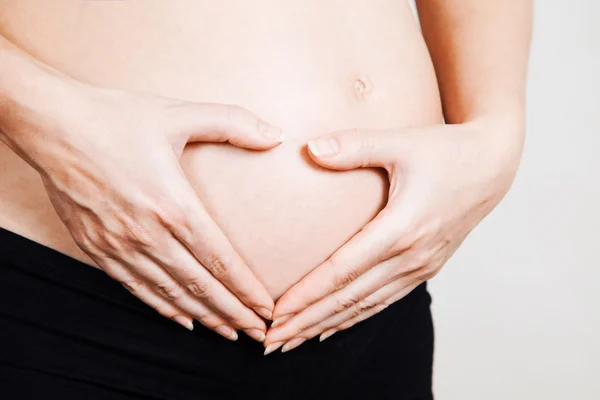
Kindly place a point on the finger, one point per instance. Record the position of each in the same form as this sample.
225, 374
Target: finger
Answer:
400, 294
200, 234
355, 294
140, 288
182, 271
356, 148
366, 249
208, 294
214, 122
372, 305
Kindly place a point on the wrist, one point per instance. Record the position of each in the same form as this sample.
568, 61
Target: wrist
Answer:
500, 146
504, 132
32, 103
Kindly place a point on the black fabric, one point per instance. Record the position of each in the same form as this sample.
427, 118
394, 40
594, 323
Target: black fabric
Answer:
68, 331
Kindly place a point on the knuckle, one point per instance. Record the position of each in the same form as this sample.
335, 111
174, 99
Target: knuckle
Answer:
355, 312
421, 258
82, 238
88, 245
112, 241
169, 290
174, 108
138, 234
240, 119
173, 217
369, 147
428, 272
367, 142
133, 285
421, 263
233, 116
366, 304
344, 303
344, 279
218, 265
117, 243
86, 236
408, 237
199, 288
411, 266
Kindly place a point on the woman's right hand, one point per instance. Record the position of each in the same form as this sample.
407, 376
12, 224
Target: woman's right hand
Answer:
109, 160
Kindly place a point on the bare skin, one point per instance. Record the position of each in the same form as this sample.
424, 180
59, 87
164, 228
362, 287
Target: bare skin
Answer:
137, 217
279, 210
444, 179
307, 68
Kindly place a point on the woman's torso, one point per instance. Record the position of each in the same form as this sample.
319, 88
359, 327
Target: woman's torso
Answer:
308, 67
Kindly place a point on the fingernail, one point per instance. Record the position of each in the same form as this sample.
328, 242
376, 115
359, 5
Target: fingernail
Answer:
281, 137
263, 312
327, 334
273, 133
184, 321
292, 344
272, 347
227, 332
281, 320
324, 147
256, 334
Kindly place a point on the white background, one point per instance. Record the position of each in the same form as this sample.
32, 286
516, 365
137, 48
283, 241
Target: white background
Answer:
517, 309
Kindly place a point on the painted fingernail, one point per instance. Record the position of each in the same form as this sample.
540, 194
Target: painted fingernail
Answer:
324, 147
327, 334
263, 312
272, 347
227, 332
184, 321
292, 344
281, 320
256, 334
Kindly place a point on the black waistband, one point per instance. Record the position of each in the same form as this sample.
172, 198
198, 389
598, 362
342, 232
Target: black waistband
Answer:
37, 260
13, 244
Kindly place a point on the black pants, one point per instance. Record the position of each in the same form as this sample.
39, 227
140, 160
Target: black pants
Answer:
68, 331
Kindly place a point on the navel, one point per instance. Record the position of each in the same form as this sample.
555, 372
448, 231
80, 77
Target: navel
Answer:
362, 86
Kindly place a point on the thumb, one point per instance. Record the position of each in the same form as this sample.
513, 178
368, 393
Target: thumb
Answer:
356, 148
214, 122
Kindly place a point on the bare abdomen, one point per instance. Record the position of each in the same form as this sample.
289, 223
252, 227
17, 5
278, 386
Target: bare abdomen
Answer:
304, 66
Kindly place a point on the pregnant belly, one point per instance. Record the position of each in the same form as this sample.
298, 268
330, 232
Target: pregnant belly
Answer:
282, 212
309, 70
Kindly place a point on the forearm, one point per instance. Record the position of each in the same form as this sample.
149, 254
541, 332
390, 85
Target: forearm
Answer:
31, 94
480, 51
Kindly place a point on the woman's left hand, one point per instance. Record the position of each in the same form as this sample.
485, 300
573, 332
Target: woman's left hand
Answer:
444, 179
